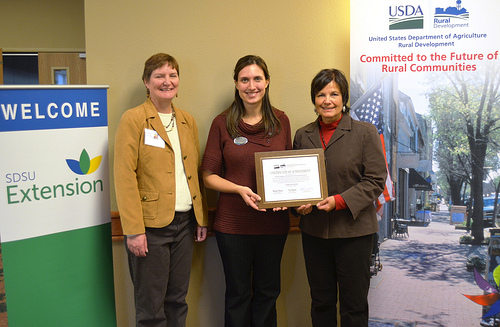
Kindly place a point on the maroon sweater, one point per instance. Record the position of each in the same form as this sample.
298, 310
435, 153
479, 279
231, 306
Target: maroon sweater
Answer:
236, 163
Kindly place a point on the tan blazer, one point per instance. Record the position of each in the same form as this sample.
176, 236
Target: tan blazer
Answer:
144, 174
355, 169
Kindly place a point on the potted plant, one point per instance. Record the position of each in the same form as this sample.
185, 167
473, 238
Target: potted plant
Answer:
475, 262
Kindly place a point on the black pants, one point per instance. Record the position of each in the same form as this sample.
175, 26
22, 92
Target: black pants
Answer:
343, 266
252, 265
161, 279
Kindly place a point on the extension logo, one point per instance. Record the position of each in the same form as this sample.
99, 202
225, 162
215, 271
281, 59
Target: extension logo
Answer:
445, 16
405, 17
26, 192
85, 166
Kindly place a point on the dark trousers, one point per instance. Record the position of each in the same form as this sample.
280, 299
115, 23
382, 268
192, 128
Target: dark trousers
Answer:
252, 265
343, 266
161, 279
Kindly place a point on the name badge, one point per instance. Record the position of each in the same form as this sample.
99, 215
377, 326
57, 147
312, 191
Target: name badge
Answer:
240, 140
152, 138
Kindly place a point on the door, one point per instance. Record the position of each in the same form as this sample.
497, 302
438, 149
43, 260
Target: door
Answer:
62, 68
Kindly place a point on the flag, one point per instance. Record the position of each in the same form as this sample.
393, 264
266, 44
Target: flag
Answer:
388, 193
368, 108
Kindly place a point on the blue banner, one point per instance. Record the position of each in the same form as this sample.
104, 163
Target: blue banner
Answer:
37, 108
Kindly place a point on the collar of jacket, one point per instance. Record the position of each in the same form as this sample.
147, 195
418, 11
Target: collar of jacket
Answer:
344, 126
154, 121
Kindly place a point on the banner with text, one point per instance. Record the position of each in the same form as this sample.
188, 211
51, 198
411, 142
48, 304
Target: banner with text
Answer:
55, 226
412, 56
419, 37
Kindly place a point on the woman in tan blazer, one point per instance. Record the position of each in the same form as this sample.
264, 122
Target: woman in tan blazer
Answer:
162, 208
337, 232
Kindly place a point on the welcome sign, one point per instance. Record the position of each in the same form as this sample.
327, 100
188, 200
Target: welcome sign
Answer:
55, 212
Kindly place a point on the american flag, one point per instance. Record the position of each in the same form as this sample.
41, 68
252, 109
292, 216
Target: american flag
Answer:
368, 108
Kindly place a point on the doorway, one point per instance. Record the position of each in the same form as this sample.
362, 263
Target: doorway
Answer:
44, 68
20, 68
59, 68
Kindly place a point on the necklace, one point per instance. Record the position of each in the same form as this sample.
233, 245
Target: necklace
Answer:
172, 121
322, 138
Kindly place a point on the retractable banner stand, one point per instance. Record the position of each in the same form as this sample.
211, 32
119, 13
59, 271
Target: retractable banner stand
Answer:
55, 225
433, 56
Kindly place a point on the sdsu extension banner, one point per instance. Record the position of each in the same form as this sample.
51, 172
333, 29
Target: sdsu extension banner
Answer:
55, 226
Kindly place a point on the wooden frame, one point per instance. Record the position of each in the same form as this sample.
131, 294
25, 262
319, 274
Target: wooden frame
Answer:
290, 178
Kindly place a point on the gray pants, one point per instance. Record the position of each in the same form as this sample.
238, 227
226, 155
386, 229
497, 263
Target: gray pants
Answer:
161, 279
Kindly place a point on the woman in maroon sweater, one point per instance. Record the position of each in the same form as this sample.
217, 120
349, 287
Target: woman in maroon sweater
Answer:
250, 239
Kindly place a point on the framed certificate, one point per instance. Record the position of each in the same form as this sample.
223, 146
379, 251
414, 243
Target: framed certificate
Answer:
290, 178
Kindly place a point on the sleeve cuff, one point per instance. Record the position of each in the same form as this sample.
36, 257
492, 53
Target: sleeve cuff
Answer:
339, 202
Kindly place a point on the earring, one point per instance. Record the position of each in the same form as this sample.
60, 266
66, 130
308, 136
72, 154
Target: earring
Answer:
177, 95
343, 109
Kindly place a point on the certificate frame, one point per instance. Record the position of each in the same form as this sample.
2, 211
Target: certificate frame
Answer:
312, 173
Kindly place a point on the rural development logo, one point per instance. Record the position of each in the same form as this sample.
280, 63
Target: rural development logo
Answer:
406, 17
84, 166
445, 17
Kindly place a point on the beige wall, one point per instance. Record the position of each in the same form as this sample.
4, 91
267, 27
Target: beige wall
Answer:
49, 25
296, 39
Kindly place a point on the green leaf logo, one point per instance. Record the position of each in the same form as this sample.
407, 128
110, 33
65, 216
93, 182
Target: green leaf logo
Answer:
85, 166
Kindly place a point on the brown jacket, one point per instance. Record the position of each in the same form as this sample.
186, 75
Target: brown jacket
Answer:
355, 169
144, 174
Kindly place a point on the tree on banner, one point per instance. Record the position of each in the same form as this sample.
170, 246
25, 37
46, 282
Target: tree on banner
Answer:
368, 108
